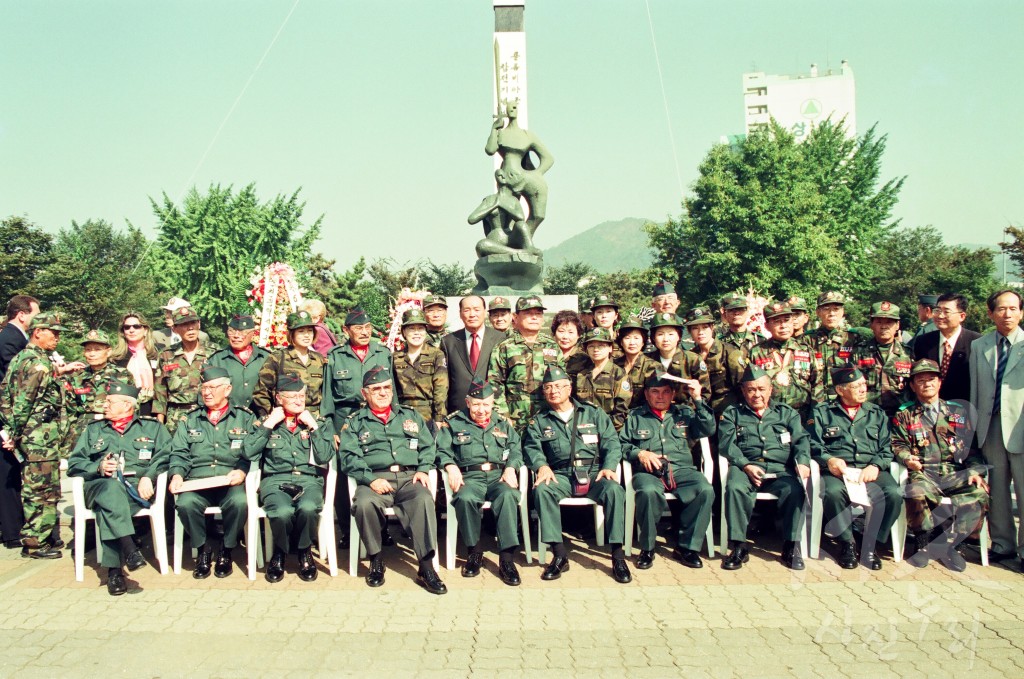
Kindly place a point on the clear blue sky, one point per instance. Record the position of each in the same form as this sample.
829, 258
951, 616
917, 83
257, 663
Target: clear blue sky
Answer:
379, 110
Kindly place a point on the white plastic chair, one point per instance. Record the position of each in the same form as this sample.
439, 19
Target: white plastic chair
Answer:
899, 529
325, 532
814, 526
356, 550
723, 470
83, 515
452, 521
627, 480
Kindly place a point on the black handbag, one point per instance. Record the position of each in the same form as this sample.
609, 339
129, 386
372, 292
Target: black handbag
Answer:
579, 479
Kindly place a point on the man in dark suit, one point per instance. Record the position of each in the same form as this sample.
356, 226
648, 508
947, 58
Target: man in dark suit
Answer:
458, 348
14, 336
949, 346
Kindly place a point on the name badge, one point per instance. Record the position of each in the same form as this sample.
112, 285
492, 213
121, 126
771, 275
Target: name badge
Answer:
590, 439
145, 454
414, 444
236, 444
504, 455
784, 437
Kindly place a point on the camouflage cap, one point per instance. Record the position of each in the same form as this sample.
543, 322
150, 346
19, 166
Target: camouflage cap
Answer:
499, 304
242, 322
529, 302
927, 300
699, 315
480, 389
434, 300
300, 319
776, 309
356, 316
752, 373
290, 382
925, 365
663, 288
831, 297
554, 373
665, 321
376, 375
46, 321
797, 303
885, 310
413, 317
185, 314
587, 306
598, 335
734, 300
95, 336
212, 372
631, 323
845, 374
119, 388
603, 300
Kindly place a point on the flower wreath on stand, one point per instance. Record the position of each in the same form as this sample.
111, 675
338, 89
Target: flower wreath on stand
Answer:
755, 321
275, 293
407, 299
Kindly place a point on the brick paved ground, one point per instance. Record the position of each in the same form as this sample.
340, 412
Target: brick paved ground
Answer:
671, 621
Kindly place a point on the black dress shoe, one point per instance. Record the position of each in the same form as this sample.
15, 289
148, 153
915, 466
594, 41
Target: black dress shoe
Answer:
275, 567
509, 573
116, 586
645, 559
203, 561
56, 543
307, 567
993, 557
736, 558
43, 552
921, 556
872, 561
12, 544
791, 556
428, 579
224, 566
954, 560
375, 578
472, 567
386, 539
688, 557
134, 561
848, 556
620, 571
554, 570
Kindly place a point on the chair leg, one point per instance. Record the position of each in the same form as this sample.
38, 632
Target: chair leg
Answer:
252, 549
723, 527
814, 538
542, 547
99, 545
179, 539
524, 520
80, 547
451, 538
709, 540
983, 542
599, 525
268, 540
354, 545
630, 520
899, 534
156, 527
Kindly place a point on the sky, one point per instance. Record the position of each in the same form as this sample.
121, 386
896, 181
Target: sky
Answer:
379, 110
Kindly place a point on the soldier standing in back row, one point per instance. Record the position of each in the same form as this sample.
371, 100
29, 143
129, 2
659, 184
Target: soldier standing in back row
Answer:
179, 371
435, 311
831, 342
499, 315
796, 380
600, 381
724, 360
299, 358
421, 372
735, 314
884, 360
242, 359
90, 385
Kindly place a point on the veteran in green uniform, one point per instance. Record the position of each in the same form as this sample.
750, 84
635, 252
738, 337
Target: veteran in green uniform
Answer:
291, 446
299, 358
657, 440
120, 458
735, 314
90, 385
214, 439
573, 449
347, 364
601, 382
851, 437
421, 371
179, 371
242, 359
933, 439
831, 343
884, 360
800, 315
768, 452
481, 453
638, 366
724, 360
796, 377
435, 311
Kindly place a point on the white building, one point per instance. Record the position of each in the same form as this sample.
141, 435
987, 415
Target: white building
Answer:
800, 102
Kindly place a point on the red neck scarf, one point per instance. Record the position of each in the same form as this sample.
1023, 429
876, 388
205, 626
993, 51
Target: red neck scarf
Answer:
122, 424
244, 355
660, 414
361, 352
214, 415
382, 415
484, 425
292, 423
851, 410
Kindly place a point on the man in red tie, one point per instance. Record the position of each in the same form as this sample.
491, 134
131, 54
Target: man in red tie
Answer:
468, 351
949, 346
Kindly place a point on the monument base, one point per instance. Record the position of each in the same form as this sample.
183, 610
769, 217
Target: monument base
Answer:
509, 275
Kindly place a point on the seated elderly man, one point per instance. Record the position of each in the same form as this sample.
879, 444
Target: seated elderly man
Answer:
481, 452
119, 458
850, 439
657, 439
768, 451
213, 440
932, 438
292, 444
573, 449
388, 450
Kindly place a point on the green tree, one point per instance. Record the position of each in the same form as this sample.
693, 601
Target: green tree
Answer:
24, 251
448, 280
1013, 247
339, 292
630, 289
572, 278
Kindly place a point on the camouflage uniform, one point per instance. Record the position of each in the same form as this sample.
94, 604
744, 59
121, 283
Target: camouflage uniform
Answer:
423, 385
177, 383
575, 362
832, 349
610, 391
89, 389
434, 337
311, 374
887, 370
745, 340
644, 367
689, 365
244, 376
796, 380
516, 370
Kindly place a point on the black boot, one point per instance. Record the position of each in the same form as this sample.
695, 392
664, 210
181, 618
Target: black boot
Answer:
307, 567
920, 557
203, 563
275, 568
791, 556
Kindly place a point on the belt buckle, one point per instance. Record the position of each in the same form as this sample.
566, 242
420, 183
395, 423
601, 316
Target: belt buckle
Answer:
395, 468
488, 466
296, 472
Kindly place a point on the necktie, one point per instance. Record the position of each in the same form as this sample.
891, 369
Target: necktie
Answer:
1004, 353
930, 415
947, 353
474, 352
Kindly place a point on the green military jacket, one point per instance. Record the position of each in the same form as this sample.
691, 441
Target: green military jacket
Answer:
369, 446
744, 340
201, 449
776, 441
686, 364
176, 381
725, 368
34, 405
547, 440
796, 379
610, 390
311, 374
516, 370
887, 371
944, 448
463, 442
244, 376
575, 362
144, 449
832, 349
423, 385
280, 451
434, 337
342, 386
864, 440
642, 368
672, 435
90, 392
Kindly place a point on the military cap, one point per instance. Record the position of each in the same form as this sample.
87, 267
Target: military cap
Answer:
96, 337
480, 389
797, 303
356, 316
928, 300
603, 300
175, 303
499, 304
300, 319
529, 302
554, 373
119, 388
46, 321
663, 288
434, 300
925, 365
699, 316
885, 310
752, 373
776, 309
376, 375
734, 300
631, 323
658, 378
598, 335
185, 314
665, 321
587, 307
242, 322
212, 372
290, 382
413, 317
831, 297
846, 374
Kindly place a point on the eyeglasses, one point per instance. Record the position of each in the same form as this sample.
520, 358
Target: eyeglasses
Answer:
379, 390
555, 387
211, 388
132, 326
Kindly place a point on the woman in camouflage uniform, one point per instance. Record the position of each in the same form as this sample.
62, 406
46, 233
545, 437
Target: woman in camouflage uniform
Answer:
567, 329
421, 373
297, 359
638, 366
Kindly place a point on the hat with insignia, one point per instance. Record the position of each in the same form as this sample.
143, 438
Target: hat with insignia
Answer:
699, 316
290, 382
46, 321
846, 374
587, 306
356, 316
885, 310
776, 309
118, 388
95, 336
242, 322
499, 304
376, 375
175, 303
831, 297
212, 372
631, 323
434, 300
529, 302
598, 335
480, 389
663, 288
928, 300
752, 373
300, 319
183, 315
797, 303
734, 300
554, 373
603, 300
413, 317
925, 365
665, 321
658, 378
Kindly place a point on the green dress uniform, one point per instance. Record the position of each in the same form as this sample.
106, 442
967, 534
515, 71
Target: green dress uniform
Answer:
725, 364
859, 441
244, 376
832, 349
796, 380
549, 441
394, 451
89, 387
948, 460
670, 436
288, 361
177, 381
887, 370
483, 454
201, 449
422, 384
642, 368
610, 390
516, 370
775, 442
293, 456
142, 450
342, 386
